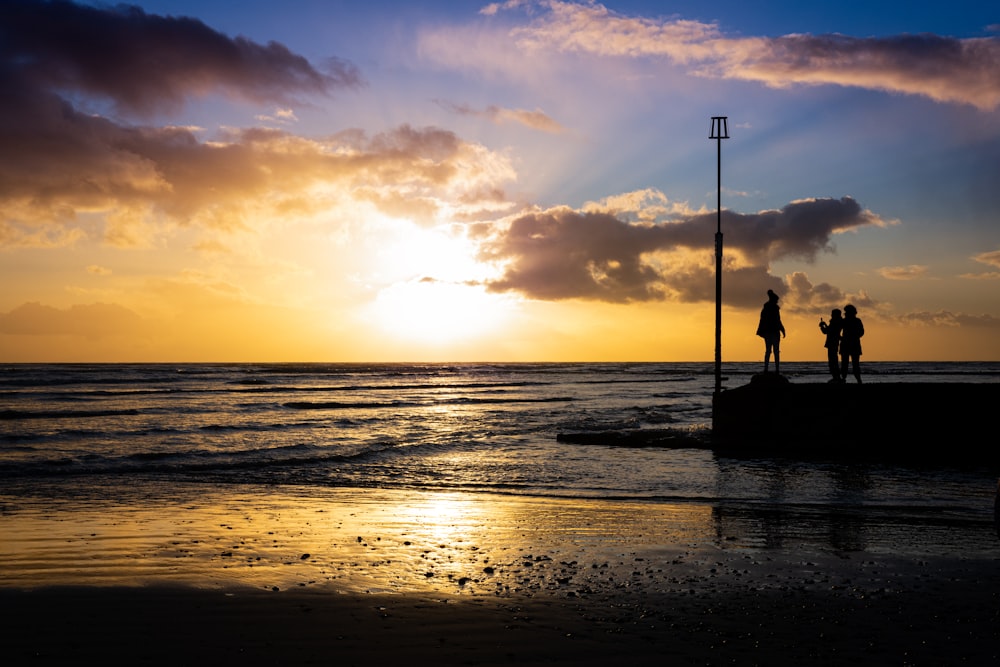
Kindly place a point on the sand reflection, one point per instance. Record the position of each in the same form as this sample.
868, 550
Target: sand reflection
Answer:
352, 540
382, 541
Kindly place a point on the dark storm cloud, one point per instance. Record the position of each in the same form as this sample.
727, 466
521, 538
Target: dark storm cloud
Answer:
145, 63
566, 254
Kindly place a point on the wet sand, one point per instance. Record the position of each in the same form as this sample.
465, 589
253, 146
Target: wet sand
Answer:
358, 577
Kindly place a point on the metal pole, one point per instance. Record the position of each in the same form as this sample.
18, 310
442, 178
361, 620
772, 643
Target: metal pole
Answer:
720, 131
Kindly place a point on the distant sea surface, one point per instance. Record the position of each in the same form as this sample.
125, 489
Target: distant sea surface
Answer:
93, 430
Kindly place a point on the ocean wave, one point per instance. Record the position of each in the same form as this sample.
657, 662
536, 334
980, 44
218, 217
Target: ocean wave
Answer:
65, 414
485, 427
193, 461
469, 400
341, 405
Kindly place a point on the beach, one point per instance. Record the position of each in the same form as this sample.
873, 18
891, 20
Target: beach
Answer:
948, 623
345, 514
357, 577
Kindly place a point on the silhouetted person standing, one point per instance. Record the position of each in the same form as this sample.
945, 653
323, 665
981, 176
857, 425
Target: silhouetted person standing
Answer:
771, 330
850, 342
832, 344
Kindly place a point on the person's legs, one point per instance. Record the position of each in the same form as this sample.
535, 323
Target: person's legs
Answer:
832, 364
777, 355
843, 366
771, 343
856, 360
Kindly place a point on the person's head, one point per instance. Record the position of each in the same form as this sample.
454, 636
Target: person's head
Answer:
835, 314
850, 311
771, 296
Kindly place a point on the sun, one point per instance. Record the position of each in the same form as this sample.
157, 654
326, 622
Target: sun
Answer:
437, 292
430, 311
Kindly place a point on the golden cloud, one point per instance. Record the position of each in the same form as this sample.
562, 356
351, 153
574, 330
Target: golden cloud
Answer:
911, 272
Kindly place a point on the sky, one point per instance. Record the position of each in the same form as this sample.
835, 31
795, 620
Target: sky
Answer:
313, 180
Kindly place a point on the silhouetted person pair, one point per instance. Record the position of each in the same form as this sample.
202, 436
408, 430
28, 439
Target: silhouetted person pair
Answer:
771, 330
846, 334
850, 342
832, 344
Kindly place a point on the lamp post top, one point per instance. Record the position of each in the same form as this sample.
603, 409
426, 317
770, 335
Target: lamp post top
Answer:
720, 127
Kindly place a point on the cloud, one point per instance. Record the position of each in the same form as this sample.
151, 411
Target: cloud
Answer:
992, 258
98, 320
945, 69
561, 253
535, 120
280, 116
648, 205
193, 316
60, 164
494, 7
949, 319
800, 229
911, 272
803, 296
68, 173
145, 63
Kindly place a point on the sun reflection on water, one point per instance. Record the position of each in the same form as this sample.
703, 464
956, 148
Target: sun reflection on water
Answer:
352, 540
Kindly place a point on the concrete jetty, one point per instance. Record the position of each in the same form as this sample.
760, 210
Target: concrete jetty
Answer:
934, 422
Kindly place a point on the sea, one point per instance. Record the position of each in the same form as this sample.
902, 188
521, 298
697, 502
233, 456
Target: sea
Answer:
493, 428
111, 469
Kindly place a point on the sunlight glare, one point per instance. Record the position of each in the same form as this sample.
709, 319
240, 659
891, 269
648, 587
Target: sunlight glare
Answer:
418, 253
436, 295
432, 311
